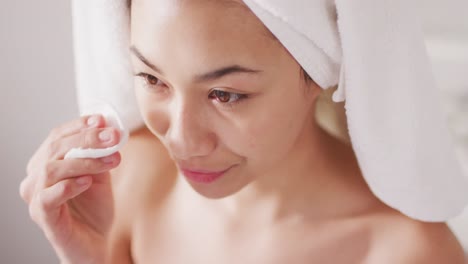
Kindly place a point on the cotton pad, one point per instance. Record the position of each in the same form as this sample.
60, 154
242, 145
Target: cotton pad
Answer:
112, 120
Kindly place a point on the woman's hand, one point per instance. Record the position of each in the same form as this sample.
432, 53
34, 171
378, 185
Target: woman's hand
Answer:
71, 200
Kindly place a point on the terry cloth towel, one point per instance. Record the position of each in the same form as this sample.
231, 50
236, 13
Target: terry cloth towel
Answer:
102, 57
372, 49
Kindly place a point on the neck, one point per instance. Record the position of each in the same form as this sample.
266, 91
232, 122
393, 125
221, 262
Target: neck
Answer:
304, 184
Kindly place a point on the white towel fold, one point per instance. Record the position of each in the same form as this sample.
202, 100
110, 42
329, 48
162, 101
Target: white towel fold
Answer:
102, 57
372, 49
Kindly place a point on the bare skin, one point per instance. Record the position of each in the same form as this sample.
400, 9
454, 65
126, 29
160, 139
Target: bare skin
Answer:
159, 219
176, 225
294, 194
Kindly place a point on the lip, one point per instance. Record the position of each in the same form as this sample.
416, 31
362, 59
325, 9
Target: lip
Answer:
203, 176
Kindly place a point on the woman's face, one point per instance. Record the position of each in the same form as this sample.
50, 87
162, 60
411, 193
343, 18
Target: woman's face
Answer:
217, 90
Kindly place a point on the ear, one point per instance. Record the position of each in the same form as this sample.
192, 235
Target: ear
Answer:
331, 116
309, 85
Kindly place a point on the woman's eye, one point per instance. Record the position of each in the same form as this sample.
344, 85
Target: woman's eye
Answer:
226, 97
150, 80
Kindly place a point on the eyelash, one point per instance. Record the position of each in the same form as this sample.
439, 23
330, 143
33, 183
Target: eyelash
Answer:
240, 97
149, 86
147, 82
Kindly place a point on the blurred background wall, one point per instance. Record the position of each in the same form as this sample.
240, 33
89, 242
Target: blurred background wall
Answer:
37, 93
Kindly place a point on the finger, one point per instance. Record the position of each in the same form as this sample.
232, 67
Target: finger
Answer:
76, 126
65, 130
26, 189
45, 210
36, 162
91, 138
60, 170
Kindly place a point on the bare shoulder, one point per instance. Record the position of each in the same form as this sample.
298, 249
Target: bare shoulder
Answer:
139, 183
145, 173
399, 239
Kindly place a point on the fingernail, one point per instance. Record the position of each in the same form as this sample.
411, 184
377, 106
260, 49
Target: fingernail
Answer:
92, 121
105, 135
108, 160
82, 180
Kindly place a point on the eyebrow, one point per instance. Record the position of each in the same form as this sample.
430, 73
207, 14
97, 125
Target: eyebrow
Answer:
204, 77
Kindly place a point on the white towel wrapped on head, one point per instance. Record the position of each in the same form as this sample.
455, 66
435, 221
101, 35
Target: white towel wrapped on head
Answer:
102, 57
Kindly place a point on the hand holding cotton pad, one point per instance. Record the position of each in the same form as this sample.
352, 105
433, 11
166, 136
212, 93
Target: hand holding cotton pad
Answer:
112, 120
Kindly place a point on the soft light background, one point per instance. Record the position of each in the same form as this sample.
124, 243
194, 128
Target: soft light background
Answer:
37, 93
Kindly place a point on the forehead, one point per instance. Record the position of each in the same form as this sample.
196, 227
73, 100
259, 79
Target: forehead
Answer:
240, 2
197, 21
234, 11
223, 3
184, 37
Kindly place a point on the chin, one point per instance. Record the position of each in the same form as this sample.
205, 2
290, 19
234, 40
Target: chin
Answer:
211, 193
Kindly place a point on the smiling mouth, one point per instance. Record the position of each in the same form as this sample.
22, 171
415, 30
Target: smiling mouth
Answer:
203, 176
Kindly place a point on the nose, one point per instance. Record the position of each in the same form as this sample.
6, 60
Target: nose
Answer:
189, 135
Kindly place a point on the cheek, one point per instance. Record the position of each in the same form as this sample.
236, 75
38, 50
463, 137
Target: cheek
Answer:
271, 138
265, 137
154, 115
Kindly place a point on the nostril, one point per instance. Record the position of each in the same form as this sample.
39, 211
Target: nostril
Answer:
190, 145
